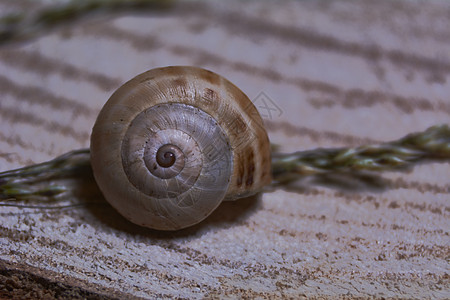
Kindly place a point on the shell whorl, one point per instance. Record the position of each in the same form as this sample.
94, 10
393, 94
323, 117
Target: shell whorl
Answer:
199, 157
172, 143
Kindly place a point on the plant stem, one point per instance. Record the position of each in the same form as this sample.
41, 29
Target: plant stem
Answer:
20, 26
71, 173
432, 144
49, 180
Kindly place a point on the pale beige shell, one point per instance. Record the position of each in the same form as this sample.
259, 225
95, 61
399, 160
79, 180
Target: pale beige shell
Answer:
172, 143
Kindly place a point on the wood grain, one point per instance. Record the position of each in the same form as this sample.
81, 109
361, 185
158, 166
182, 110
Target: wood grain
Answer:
323, 74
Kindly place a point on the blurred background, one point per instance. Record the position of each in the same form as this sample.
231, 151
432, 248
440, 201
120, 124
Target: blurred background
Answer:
321, 73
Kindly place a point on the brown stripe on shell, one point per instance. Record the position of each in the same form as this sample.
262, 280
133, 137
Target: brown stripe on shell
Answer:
180, 83
264, 164
210, 77
210, 98
239, 170
250, 162
210, 95
237, 128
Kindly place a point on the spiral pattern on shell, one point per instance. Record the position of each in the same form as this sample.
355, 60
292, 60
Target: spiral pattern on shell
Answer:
172, 143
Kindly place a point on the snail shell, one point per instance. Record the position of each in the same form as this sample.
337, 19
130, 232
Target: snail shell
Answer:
172, 143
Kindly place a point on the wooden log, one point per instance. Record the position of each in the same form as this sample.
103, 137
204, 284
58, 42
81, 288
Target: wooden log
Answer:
322, 74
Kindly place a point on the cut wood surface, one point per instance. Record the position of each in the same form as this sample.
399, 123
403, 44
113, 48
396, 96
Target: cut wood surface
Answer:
321, 73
